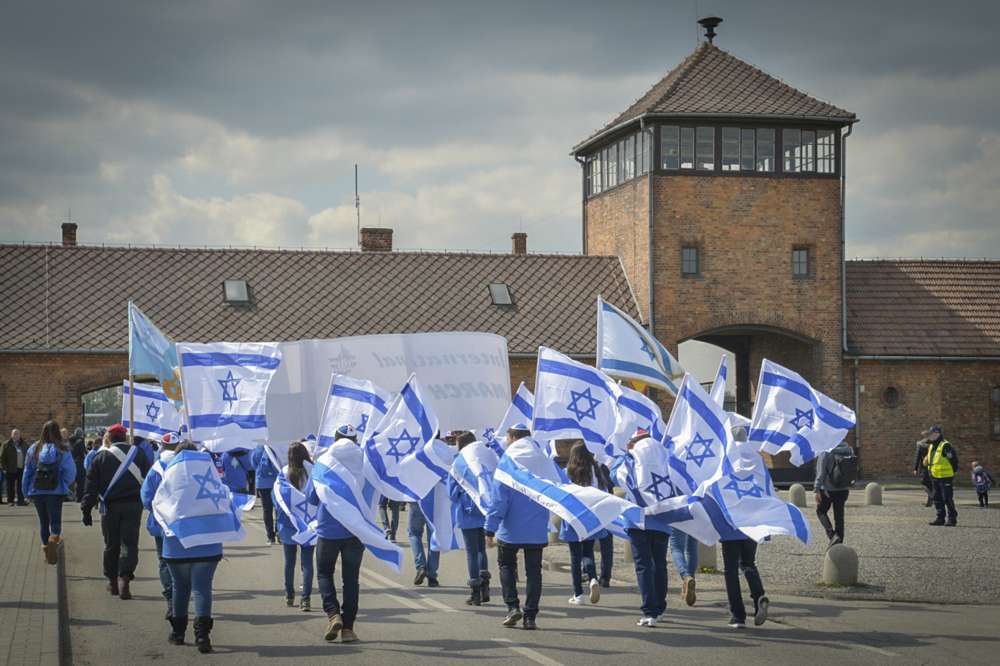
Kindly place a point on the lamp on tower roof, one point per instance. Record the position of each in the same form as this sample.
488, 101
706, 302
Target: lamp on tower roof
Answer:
710, 23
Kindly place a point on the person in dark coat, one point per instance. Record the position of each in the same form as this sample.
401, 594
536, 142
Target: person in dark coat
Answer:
12, 457
78, 449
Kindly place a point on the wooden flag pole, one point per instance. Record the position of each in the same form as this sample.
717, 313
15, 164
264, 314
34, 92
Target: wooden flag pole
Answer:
131, 409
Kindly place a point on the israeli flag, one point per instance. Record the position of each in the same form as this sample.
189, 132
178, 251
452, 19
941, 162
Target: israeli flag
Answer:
573, 400
698, 435
636, 411
339, 485
356, 402
403, 460
152, 353
520, 410
194, 505
587, 510
155, 414
718, 392
225, 391
473, 469
438, 510
790, 415
294, 503
627, 350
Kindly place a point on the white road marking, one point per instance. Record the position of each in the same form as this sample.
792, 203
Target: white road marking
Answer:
872, 648
533, 655
432, 603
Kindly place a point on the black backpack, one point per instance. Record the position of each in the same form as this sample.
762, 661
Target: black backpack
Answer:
47, 474
842, 468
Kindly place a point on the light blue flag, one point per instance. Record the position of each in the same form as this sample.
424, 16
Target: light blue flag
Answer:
698, 433
790, 415
194, 505
338, 483
627, 350
356, 402
473, 469
520, 410
155, 415
438, 510
150, 353
225, 392
403, 458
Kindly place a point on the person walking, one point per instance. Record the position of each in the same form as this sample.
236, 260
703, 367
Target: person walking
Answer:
942, 463
580, 468
605, 539
265, 475
982, 480
78, 448
297, 472
150, 484
12, 458
237, 466
114, 485
389, 513
920, 468
836, 472
684, 553
471, 520
48, 473
739, 554
426, 563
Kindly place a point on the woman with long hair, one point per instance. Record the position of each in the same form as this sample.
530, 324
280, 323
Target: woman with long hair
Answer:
581, 470
297, 472
471, 521
48, 472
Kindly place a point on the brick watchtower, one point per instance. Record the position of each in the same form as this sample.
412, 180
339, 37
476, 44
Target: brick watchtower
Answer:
722, 190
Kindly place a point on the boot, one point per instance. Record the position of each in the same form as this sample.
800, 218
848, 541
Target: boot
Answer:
178, 627
475, 599
123, 583
113, 586
484, 589
202, 629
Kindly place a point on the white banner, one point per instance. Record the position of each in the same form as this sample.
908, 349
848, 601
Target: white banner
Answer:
465, 377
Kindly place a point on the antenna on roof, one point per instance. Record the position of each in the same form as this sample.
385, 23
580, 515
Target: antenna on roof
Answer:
357, 203
710, 23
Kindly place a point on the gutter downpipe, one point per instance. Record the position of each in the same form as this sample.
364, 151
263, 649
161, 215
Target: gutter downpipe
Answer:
843, 288
583, 205
649, 212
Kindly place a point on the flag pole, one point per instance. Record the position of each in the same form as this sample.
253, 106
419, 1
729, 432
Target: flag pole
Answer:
131, 409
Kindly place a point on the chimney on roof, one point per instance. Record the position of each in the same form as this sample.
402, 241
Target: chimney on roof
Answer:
520, 243
710, 23
69, 234
375, 239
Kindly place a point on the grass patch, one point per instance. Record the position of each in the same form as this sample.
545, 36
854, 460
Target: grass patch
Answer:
708, 570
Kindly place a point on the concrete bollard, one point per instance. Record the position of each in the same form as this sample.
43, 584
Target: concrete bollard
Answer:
708, 557
840, 566
797, 495
873, 494
554, 536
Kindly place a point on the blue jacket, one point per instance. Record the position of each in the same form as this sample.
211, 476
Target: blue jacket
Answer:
237, 467
89, 458
327, 527
516, 519
172, 547
467, 514
264, 472
148, 491
49, 454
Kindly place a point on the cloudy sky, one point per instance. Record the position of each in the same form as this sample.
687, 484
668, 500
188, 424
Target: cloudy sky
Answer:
239, 122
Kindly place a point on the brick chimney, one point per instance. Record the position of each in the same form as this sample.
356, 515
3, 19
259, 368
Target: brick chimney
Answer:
374, 239
520, 242
69, 234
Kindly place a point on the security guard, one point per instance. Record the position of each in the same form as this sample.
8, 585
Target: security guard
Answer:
941, 462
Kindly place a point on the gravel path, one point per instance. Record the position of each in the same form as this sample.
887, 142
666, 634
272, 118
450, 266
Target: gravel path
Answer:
901, 557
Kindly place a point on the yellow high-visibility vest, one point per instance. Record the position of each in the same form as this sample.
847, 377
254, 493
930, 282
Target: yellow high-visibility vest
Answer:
939, 466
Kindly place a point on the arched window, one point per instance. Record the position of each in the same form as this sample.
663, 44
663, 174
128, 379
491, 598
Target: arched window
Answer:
890, 397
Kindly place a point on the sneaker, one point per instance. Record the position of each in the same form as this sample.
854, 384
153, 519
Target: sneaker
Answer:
270, 541
290, 602
348, 636
513, 617
334, 627
419, 578
737, 623
952, 523
835, 540
646, 622
936, 522
605, 582
529, 623
760, 615
689, 591
432, 581
595, 591
576, 600
304, 606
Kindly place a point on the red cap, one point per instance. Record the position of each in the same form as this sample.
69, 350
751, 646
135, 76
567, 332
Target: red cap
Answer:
117, 429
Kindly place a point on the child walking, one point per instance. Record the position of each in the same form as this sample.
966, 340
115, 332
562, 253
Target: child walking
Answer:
983, 481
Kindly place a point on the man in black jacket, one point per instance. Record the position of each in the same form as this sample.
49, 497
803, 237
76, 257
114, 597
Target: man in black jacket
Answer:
920, 468
78, 449
122, 517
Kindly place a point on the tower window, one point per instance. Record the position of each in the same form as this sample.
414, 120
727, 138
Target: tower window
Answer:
765, 150
706, 149
646, 159
596, 174
689, 261
825, 152
792, 145
731, 148
670, 147
738, 146
800, 262
611, 173
630, 158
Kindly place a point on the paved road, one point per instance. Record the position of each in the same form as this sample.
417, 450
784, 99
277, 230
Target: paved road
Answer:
401, 624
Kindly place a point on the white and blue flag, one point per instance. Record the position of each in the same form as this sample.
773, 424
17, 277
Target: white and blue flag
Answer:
520, 410
627, 350
403, 458
698, 433
573, 400
339, 485
718, 391
636, 411
155, 414
439, 512
225, 391
355, 402
585, 509
194, 505
294, 503
790, 415
473, 469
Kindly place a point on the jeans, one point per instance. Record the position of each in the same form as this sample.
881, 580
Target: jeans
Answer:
740, 556
267, 503
166, 582
507, 559
835, 499
944, 498
475, 553
49, 508
120, 526
649, 552
188, 578
417, 525
350, 551
388, 508
291, 550
607, 557
581, 558
684, 552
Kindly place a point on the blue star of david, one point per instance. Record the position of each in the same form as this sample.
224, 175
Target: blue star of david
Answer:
364, 423
229, 385
304, 507
153, 411
649, 352
705, 453
734, 485
588, 411
654, 487
394, 445
209, 487
800, 416
489, 433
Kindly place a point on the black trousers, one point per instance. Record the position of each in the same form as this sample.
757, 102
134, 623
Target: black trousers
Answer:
120, 526
835, 499
740, 556
14, 487
350, 551
944, 499
507, 560
267, 503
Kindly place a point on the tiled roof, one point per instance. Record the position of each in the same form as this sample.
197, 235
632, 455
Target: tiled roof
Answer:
74, 298
923, 308
712, 82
